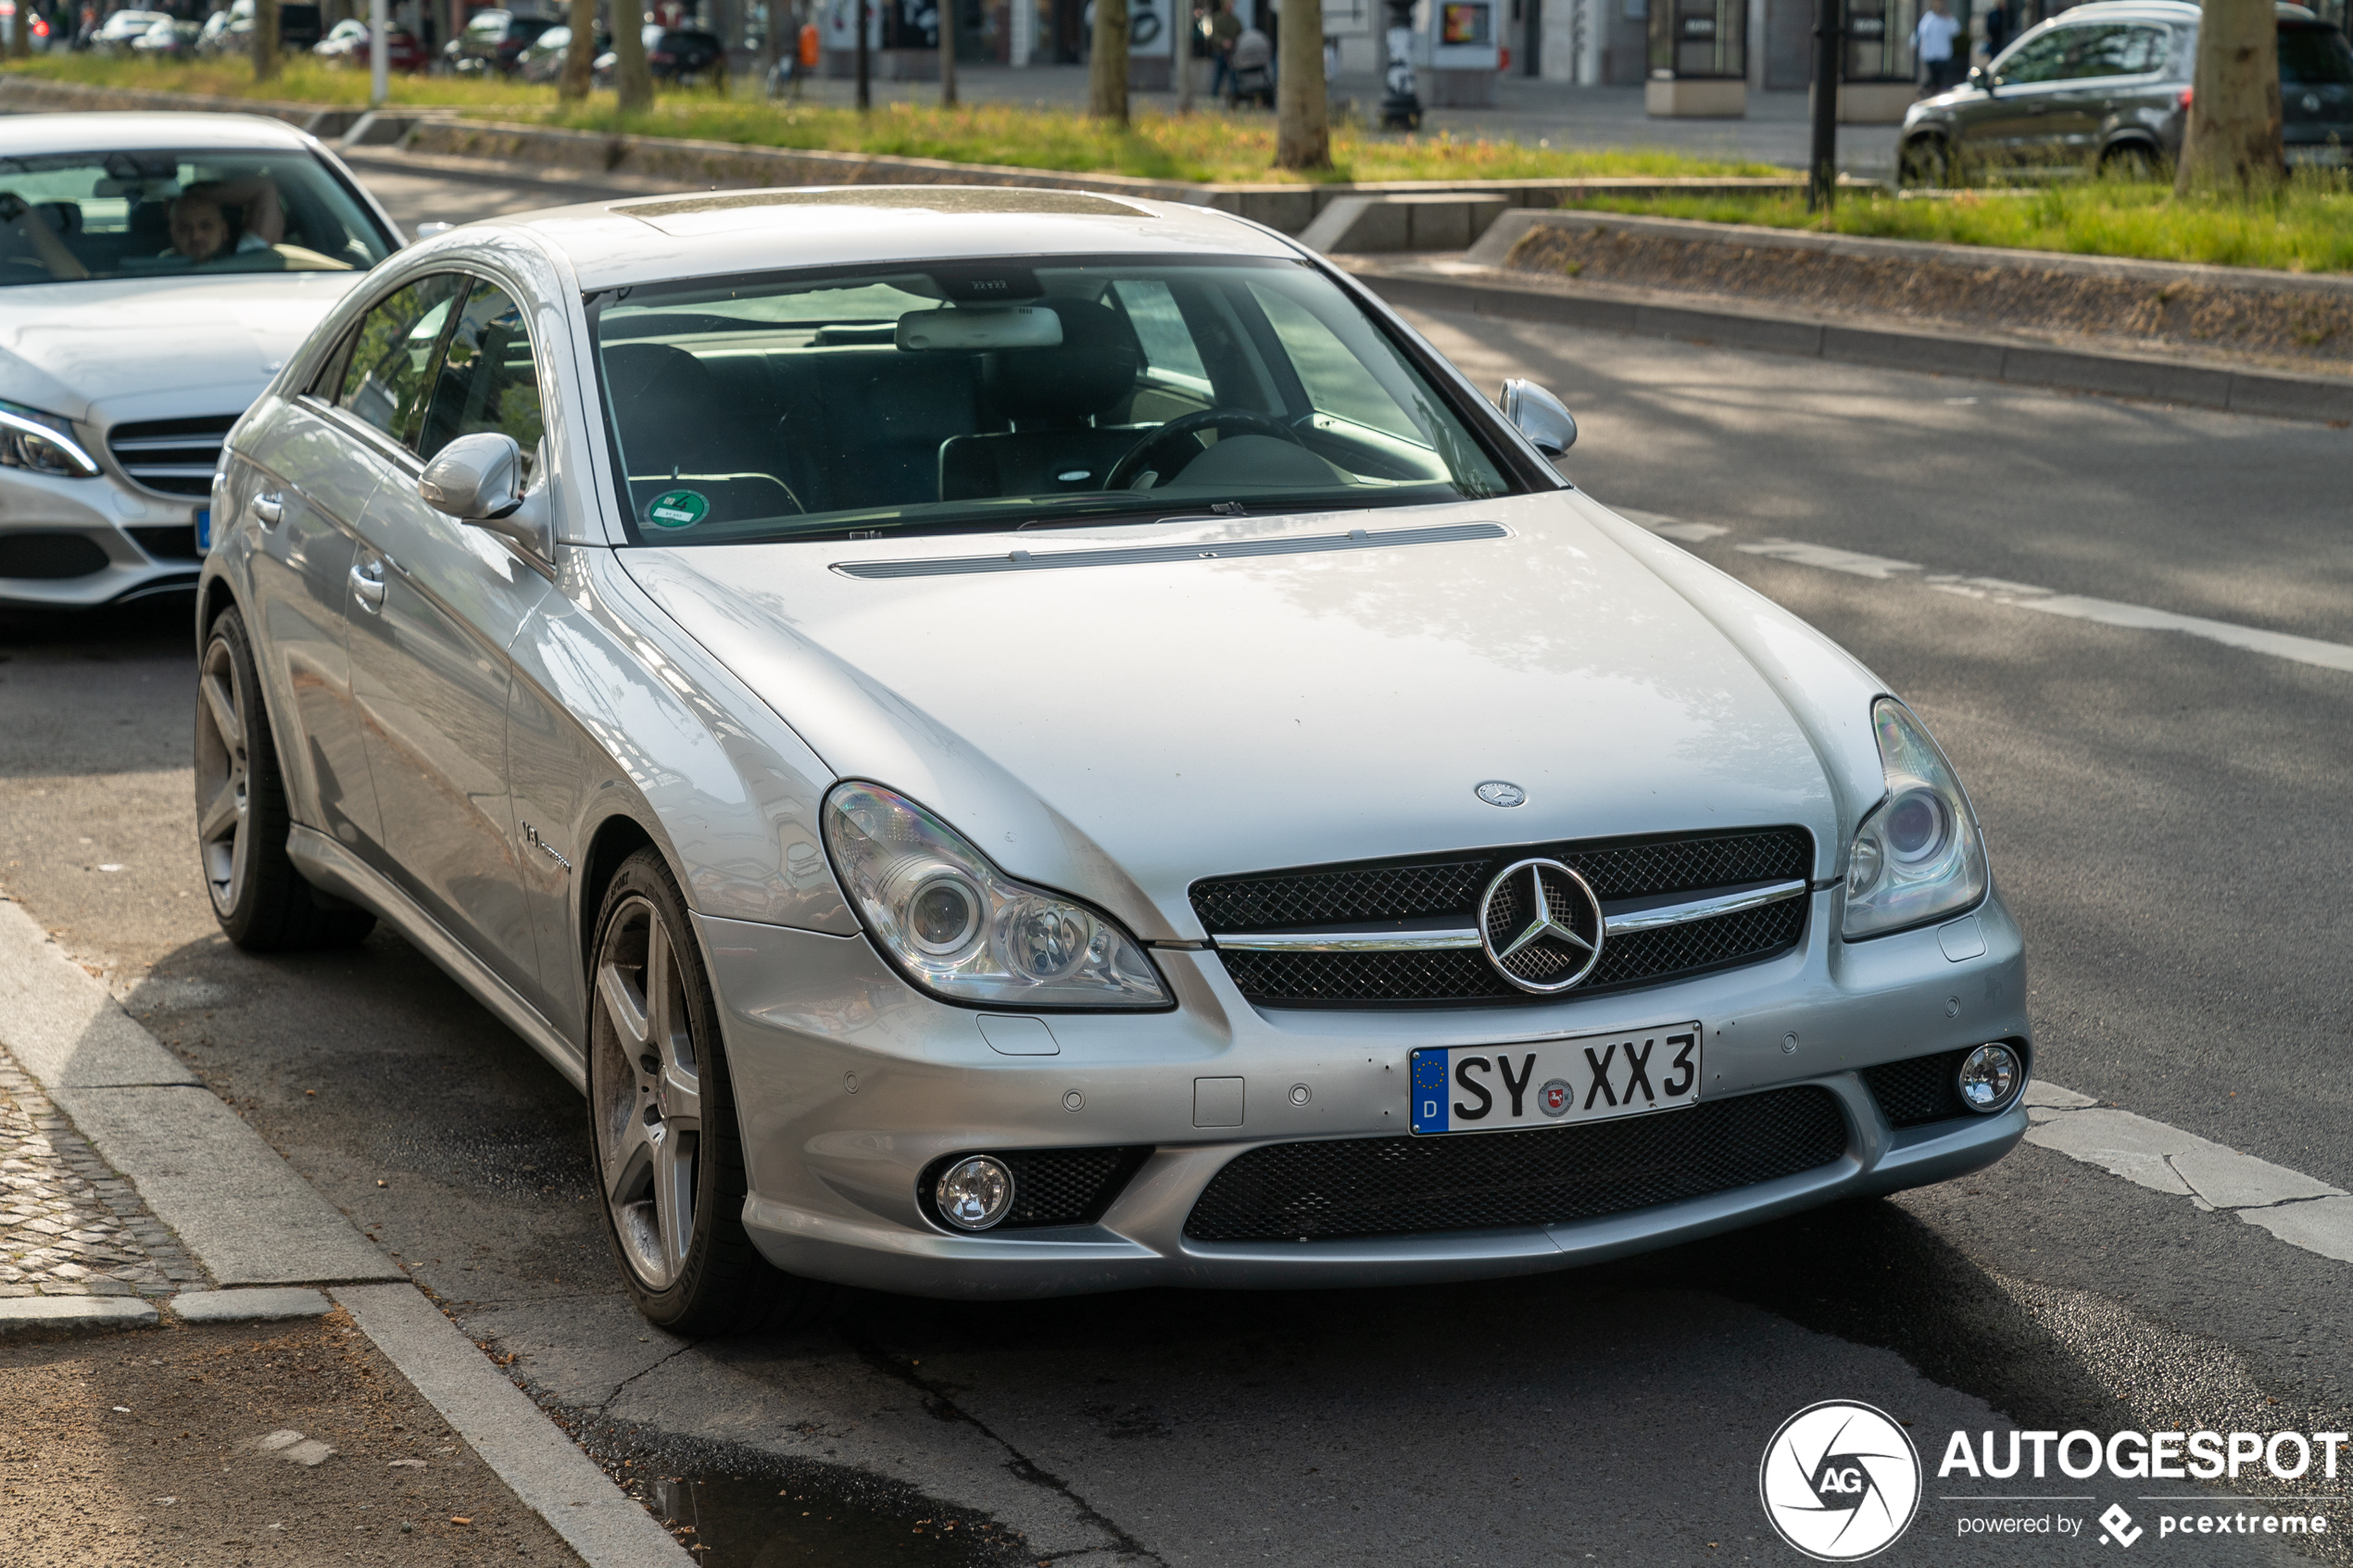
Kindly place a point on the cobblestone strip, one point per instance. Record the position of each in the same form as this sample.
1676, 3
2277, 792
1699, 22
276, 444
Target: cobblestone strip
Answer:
69, 1225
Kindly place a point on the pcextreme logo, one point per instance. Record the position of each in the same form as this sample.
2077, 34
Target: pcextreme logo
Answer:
1839, 1481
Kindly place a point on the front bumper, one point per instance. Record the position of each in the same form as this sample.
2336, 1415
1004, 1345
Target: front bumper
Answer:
850, 1084
84, 528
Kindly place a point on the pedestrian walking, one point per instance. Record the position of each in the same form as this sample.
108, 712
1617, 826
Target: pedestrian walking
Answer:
1997, 29
1224, 29
1932, 43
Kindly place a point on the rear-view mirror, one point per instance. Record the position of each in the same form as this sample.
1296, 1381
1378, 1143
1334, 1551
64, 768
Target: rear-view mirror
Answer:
972, 328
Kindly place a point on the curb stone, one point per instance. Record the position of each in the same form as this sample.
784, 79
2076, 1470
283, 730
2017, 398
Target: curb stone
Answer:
248, 1306
1487, 291
34, 1313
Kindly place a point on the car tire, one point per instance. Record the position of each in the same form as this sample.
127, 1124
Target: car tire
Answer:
1925, 160
261, 901
2132, 161
667, 1146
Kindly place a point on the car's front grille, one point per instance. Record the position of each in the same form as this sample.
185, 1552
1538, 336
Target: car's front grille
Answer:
1449, 888
176, 456
1052, 1187
1403, 1186
1913, 1093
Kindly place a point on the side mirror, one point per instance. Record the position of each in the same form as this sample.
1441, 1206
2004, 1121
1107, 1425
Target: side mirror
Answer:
1540, 416
1982, 79
479, 479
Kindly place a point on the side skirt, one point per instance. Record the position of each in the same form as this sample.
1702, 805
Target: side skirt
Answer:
333, 869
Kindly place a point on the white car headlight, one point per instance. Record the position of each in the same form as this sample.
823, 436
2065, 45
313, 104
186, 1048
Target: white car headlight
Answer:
1918, 856
41, 443
960, 928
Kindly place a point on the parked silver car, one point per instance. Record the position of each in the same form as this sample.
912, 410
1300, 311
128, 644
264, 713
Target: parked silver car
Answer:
1018, 742
2107, 87
155, 270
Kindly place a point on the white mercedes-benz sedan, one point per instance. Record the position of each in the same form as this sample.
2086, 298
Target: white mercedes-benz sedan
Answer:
1017, 742
155, 270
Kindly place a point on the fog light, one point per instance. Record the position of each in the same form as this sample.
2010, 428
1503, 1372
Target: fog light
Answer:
974, 1194
1990, 1078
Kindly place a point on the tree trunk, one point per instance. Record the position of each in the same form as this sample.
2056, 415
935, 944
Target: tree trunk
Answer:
580, 55
632, 76
1302, 110
265, 40
948, 52
1107, 69
2234, 139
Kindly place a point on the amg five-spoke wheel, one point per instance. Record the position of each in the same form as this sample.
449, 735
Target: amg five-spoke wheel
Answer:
649, 1094
223, 782
259, 898
668, 1157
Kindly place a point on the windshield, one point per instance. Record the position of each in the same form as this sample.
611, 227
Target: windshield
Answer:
65, 216
995, 395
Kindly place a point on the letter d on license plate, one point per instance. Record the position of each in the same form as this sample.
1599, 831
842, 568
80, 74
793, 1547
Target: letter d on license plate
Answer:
1547, 1083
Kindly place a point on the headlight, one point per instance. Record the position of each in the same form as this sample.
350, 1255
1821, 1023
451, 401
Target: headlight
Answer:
42, 442
962, 929
1918, 856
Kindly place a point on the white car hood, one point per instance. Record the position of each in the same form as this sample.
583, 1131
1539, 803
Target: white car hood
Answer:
1120, 730
201, 344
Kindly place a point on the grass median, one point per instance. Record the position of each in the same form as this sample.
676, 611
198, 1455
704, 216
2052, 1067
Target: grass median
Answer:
2306, 227
1211, 147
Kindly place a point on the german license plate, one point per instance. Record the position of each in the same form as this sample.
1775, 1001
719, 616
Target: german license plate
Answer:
1549, 1082
2326, 155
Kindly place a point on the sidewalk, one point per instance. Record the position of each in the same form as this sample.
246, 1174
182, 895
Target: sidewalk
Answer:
1552, 112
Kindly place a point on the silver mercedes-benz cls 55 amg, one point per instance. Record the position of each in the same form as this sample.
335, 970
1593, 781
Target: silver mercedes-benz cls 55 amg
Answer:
1018, 742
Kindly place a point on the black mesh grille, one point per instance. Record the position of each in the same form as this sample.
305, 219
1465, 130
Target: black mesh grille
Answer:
1053, 1187
173, 456
1450, 884
1918, 1091
1487, 1180
1461, 975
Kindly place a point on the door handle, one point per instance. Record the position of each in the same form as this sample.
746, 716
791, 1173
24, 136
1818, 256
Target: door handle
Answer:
368, 584
271, 509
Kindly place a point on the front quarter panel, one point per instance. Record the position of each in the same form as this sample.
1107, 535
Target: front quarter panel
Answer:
616, 713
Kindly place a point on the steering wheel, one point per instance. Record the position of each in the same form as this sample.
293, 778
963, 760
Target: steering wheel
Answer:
1146, 452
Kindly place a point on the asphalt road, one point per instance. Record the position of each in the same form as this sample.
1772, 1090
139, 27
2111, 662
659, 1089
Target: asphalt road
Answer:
2164, 814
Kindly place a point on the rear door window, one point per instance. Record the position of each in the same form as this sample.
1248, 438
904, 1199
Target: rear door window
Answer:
2117, 51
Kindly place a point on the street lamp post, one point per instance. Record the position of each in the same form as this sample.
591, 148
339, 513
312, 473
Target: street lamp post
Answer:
1402, 109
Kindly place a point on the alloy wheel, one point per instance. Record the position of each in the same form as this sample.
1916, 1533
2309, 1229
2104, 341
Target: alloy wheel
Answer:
649, 1094
223, 778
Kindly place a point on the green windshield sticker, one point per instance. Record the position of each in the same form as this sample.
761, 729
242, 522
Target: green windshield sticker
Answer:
678, 508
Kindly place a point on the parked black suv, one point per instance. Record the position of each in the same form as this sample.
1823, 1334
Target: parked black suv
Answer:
2107, 86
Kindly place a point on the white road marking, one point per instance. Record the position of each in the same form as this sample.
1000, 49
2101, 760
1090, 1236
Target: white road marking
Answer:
2019, 595
1690, 533
2301, 1211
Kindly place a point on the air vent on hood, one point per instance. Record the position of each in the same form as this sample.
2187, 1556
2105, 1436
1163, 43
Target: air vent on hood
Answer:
1154, 555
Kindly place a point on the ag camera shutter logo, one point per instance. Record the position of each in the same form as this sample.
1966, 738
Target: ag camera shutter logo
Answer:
1839, 1481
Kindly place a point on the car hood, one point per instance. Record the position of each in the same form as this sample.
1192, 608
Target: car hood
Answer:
1119, 730
202, 345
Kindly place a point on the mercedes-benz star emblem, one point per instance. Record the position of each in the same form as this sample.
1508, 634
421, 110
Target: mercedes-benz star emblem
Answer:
1540, 925
1496, 792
